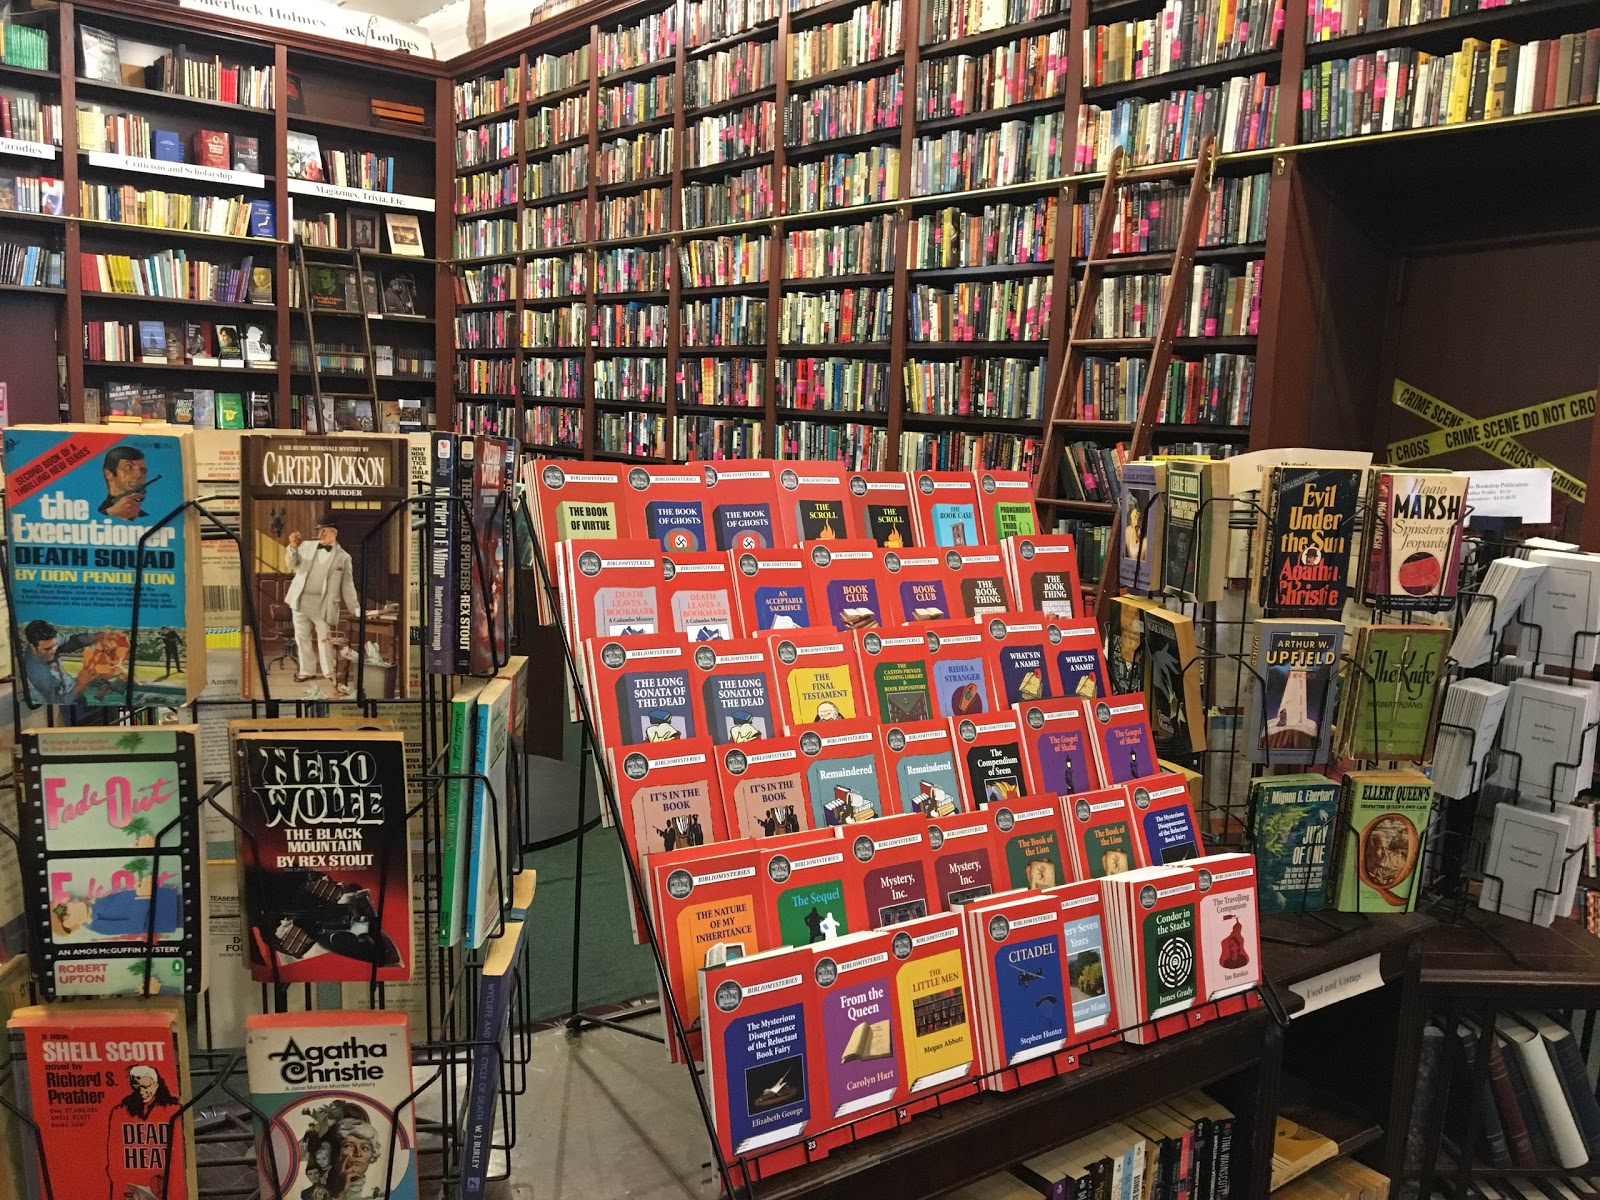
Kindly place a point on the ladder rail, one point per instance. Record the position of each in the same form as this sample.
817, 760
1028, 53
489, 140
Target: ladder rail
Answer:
307, 311
366, 332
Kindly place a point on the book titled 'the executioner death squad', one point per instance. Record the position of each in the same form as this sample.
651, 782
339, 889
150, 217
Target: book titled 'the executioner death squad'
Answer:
87, 516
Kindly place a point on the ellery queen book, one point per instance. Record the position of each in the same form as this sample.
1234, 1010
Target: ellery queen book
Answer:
78, 500
317, 545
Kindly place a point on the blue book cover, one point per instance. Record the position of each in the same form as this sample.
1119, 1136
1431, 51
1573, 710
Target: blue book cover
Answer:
676, 524
1294, 825
498, 983
263, 220
743, 526
843, 791
738, 707
924, 600
782, 607
1028, 985
765, 1055
167, 146
655, 706
1022, 673
78, 500
927, 783
1082, 673
960, 686
955, 525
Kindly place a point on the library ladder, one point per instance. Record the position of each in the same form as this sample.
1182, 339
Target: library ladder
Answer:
1082, 345
308, 311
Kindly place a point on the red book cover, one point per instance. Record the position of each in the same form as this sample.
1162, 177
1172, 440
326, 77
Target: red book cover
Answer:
882, 507
1044, 574
1019, 648
737, 690
813, 505
772, 590
1056, 755
963, 683
989, 758
895, 670
611, 588
962, 851
937, 1038
211, 148
1164, 829
697, 594
1031, 842
667, 793
1154, 943
763, 788
896, 875
105, 1087
849, 584
1100, 833
1088, 975
1005, 505
819, 678
667, 503
1230, 926
706, 903
639, 689
808, 891
919, 765
920, 587
1077, 661
1120, 733
978, 585
844, 782
946, 508
577, 500
743, 503
852, 1029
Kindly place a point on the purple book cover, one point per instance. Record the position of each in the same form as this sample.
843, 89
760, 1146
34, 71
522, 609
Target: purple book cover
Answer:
858, 1027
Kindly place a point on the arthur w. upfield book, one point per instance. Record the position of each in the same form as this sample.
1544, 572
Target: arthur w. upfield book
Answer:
1307, 536
1289, 720
111, 842
334, 1087
79, 500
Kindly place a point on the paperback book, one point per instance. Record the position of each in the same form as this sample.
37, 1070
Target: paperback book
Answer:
577, 502
1164, 826
920, 768
738, 692
1139, 534
895, 668
667, 504
946, 508
1056, 754
697, 587
1294, 830
742, 502
806, 892
894, 875
1195, 565
641, 690
1019, 648
1384, 817
610, 588
1120, 736
1173, 679
1100, 833
932, 1002
1030, 839
773, 591
1084, 943
1005, 506
963, 684
1230, 929
854, 1026
1043, 570
883, 509
1293, 696
1393, 685
842, 779
1414, 539
978, 583
846, 580
1015, 948
812, 504
962, 850
989, 758
1307, 536
819, 678
1077, 662
1152, 923
763, 788
919, 585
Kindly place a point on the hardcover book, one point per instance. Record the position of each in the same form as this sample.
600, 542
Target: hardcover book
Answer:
1387, 712
1385, 818
882, 507
919, 586
1139, 533
989, 758
1414, 540
1292, 699
325, 861
763, 788
1044, 574
818, 677
79, 499
1120, 736
640, 689
854, 1025
846, 580
1077, 662
933, 1003
895, 669
319, 552
963, 684
1306, 539
335, 1088
1294, 829
978, 583
813, 504
1005, 506
1030, 839
211, 148
1056, 755
946, 507
1195, 566
1100, 833
698, 589
920, 768
895, 876
961, 848
843, 784
742, 500
668, 505
111, 847
1019, 648
737, 690
773, 591
1230, 930
1163, 820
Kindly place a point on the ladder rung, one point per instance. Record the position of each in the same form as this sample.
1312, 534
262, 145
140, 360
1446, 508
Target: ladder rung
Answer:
1177, 170
1091, 345
1155, 258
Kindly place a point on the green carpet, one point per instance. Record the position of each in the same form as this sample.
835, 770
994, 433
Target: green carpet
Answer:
612, 967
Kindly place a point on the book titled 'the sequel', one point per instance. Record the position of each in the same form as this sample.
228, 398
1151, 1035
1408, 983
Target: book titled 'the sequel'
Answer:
92, 515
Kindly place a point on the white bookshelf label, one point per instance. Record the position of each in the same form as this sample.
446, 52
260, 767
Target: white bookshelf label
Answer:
161, 166
26, 148
332, 191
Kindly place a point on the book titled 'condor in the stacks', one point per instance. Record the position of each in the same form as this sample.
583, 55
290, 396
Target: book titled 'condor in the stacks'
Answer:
333, 1086
80, 500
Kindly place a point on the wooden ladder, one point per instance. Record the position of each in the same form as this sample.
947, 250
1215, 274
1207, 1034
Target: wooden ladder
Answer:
1081, 345
319, 422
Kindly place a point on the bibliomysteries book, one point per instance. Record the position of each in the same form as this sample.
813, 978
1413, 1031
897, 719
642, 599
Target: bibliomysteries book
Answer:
323, 852
334, 1087
919, 586
961, 849
772, 589
697, 594
667, 503
946, 508
738, 693
1385, 818
920, 767
812, 504
321, 548
741, 499
1005, 505
848, 583
932, 1003
843, 782
1414, 539
79, 500
105, 1087
853, 1018
1230, 930
1055, 747
819, 677
894, 665
881, 501
110, 827
1289, 720
1306, 539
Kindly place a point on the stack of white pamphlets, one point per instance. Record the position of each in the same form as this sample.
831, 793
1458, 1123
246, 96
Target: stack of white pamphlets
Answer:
1534, 861
1546, 725
1468, 721
1564, 606
1508, 581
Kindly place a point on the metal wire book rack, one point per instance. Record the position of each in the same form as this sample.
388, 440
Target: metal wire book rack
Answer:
448, 1041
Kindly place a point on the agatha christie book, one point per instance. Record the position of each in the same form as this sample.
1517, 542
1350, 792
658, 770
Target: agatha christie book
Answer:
322, 547
963, 684
698, 589
894, 666
932, 1003
1044, 574
1172, 683
1056, 755
1289, 719
812, 504
1124, 747
324, 859
1163, 820
818, 677
105, 1088
919, 585
1195, 565
667, 504
772, 589
1383, 820
737, 689
843, 782
1005, 505
334, 1088
881, 503
112, 850
1387, 711
978, 584
1100, 833
1077, 662
1083, 939
1019, 649
962, 851
920, 767
80, 500
1139, 533
1230, 930
1414, 539
946, 508
763, 788
846, 580
1030, 839
1307, 535
853, 1023
741, 500
1294, 827
989, 758
894, 875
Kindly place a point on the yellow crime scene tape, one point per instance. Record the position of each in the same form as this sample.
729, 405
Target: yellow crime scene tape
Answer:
1495, 436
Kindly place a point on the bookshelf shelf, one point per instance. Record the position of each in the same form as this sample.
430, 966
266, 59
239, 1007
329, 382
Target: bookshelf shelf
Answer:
101, 365
641, 405
730, 167
539, 351
475, 397
722, 352
642, 239
489, 118
619, 297
731, 410
629, 352
816, 282
991, 37
540, 152
849, 141
487, 351
136, 96
624, 456
321, 124
1028, 187
723, 289
23, 148
498, 210
348, 256
811, 14
974, 421
545, 99
563, 451
764, 29
1093, 508
755, 96
235, 305
490, 165
1167, 81
831, 414
29, 74
32, 288
642, 184
1123, 428
612, 132
334, 191
804, 349
557, 401
1011, 349
191, 172
1011, 112
536, 202
160, 231
1501, 21
994, 271
876, 66
530, 302
657, 66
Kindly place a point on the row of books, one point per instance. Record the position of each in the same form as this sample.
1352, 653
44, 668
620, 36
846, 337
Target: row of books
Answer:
492, 330
720, 262
1018, 72
204, 408
631, 324
952, 449
727, 137
715, 382
652, 39
542, 278
557, 72
631, 269
723, 321
552, 328
486, 376
639, 433
32, 194
746, 196
478, 239
139, 137
1240, 113
624, 104
626, 159
634, 379
996, 310
172, 273
551, 226
976, 387
1092, 472
842, 180
727, 74
866, 248
182, 72
195, 343
552, 378
1013, 152
1004, 233
364, 169
849, 315
855, 446
24, 46
398, 362
1092, 539
556, 123
850, 385
1216, 389
1329, 19
838, 110
23, 264
949, 20
1410, 89
641, 214
471, 98
1148, 215
485, 144
567, 171
871, 32
709, 21
717, 439
1178, 37
236, 216
486, 189
24, 118
550, 425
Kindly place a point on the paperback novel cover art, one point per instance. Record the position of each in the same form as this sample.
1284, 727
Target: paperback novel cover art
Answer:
737, 691
845, 578
1044, 574
946, 507
324, 857
741, 500
883, 508
667, 503
842, 781
1387, 814
1414, 550
962, 685
698, 591
1290, 715
932, 1002
334, 1087
1023, 944
1393, 687
855, 999
757, 1049
894, 879
79, 501
812, 502
319, 553
110, 829
989, 757
1005, 504
1055, 747
1306, 542
1294, 828
773, 591
919, 586
895, 666
1230, 930
1083, 940
920, 764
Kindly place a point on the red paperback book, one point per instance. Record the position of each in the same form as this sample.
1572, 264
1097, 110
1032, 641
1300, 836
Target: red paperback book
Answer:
577, 500
1031, 842
819, 678
963, 683
667, 504
961, 847
882, 507
639, 689
978, 584
1019, 651
743, 502
1044, 574
937, 1040
1056, 754
1077, 662
946, 507
919, 764
896, 874
989, 758
1124, 747
772, 589
1084, 943
1230, 924
808, 891
1005, 505
667, 793
849, 584
737, 690
920, 587
852, 1030
697, 595
1100, 833
844, 783
611, 588
896, 672
1163, 819
813, 505
763, 787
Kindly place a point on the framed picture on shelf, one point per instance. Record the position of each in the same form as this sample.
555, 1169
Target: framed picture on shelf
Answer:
362, 229
405, 234
305, 157
370, 303
400, 295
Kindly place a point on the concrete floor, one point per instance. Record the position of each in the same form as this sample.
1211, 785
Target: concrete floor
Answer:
606, 1116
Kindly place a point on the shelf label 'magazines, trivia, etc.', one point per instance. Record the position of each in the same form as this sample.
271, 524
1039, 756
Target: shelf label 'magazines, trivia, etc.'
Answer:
84, 505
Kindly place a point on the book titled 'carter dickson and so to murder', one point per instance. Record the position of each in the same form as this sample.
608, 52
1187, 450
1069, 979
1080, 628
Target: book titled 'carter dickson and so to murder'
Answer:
88, 510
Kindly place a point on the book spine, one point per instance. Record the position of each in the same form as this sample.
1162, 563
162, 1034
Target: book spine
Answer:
486, 1064
452, 893
1532, 1114
442, 557
1574, 1079
1519, 1143
1222, 1177
466, 557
